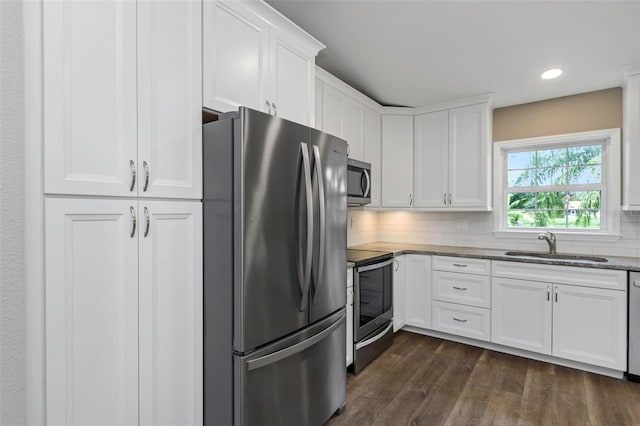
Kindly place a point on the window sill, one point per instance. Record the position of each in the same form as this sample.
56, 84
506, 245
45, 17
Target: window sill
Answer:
564, 235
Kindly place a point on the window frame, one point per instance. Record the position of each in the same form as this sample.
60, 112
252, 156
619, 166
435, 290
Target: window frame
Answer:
610, 206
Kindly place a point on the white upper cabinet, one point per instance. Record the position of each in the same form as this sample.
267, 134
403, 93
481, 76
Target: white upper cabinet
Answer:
235, 58
431, 159
397, 161
372, 154
631, 139
469, 157
122, 84
353, 127
255, 57
170, 99
452, 160
90, 127
333, 105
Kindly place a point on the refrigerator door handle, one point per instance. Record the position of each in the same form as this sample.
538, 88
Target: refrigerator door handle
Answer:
294, 349
323, 224
304, 297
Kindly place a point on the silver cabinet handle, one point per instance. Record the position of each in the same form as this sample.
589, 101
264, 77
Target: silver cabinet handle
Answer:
348, 149
146, 176
460, 265
556, 294
268, 107
146, 215
134, 221
275, 109
460, 288
548, 293
449, 198
459, 320
410, 199
444, 198
395, 261
132, 165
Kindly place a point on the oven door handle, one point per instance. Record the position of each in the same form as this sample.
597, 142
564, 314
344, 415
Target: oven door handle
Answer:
374, 338
375, 266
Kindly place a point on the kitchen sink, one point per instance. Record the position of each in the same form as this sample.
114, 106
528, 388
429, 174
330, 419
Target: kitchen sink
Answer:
569, 257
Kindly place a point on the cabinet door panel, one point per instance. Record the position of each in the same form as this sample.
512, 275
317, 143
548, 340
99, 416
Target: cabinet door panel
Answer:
418, 290
332, 110
353, 130
171, 312
89, 97
399, 293
91, 307
397, 161
292, 79
372, 128
431, 158
590, 325
235, 55
170, 99
469, 160
521, 314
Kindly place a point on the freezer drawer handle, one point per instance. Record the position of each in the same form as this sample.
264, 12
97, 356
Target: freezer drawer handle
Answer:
292, 350
374, 338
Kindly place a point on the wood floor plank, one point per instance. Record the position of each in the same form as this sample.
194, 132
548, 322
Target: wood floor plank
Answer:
427, 381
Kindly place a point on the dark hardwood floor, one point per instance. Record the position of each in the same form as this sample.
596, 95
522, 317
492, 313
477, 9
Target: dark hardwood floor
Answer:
423, 380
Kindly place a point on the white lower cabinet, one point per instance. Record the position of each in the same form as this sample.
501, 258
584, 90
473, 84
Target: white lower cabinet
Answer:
462, 320
399, 310
123, 311
521, 314
417, 276
578, 323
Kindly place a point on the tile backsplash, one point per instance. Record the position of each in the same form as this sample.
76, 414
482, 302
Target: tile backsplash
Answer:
474, 229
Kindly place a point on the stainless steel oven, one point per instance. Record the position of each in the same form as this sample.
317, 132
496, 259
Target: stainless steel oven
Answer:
358, 182
373, 308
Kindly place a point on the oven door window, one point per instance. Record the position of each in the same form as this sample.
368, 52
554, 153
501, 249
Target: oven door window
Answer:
375, 294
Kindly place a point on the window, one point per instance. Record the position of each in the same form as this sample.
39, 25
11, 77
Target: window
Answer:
565, 183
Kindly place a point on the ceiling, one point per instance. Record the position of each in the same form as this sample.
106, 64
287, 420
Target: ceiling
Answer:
415, 53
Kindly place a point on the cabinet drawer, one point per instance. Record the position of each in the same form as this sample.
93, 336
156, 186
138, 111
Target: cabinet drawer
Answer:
462, 264
571, 275
467, 321
468, 289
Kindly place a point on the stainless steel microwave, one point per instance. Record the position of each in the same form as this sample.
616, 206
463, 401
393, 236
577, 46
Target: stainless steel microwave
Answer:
358, 182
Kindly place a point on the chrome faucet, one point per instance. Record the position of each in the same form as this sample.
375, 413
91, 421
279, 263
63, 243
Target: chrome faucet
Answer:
551, 240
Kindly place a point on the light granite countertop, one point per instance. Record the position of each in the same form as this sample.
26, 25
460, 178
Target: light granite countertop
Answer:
614, 262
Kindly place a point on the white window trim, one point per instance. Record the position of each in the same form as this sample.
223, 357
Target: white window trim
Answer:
611, 165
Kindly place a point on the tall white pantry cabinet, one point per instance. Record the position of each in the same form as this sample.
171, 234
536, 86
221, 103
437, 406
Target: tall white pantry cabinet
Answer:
122, 135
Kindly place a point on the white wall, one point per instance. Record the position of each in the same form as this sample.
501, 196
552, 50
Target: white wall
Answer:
12, 318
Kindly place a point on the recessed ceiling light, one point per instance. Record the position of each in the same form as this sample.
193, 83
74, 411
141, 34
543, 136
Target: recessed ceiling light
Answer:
552, 73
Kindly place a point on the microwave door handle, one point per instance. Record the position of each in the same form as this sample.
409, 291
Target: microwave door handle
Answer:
323, 228
304, 290
366, 175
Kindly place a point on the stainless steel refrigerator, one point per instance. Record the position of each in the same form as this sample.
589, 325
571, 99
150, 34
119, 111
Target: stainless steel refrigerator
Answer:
633, 369
275, 207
